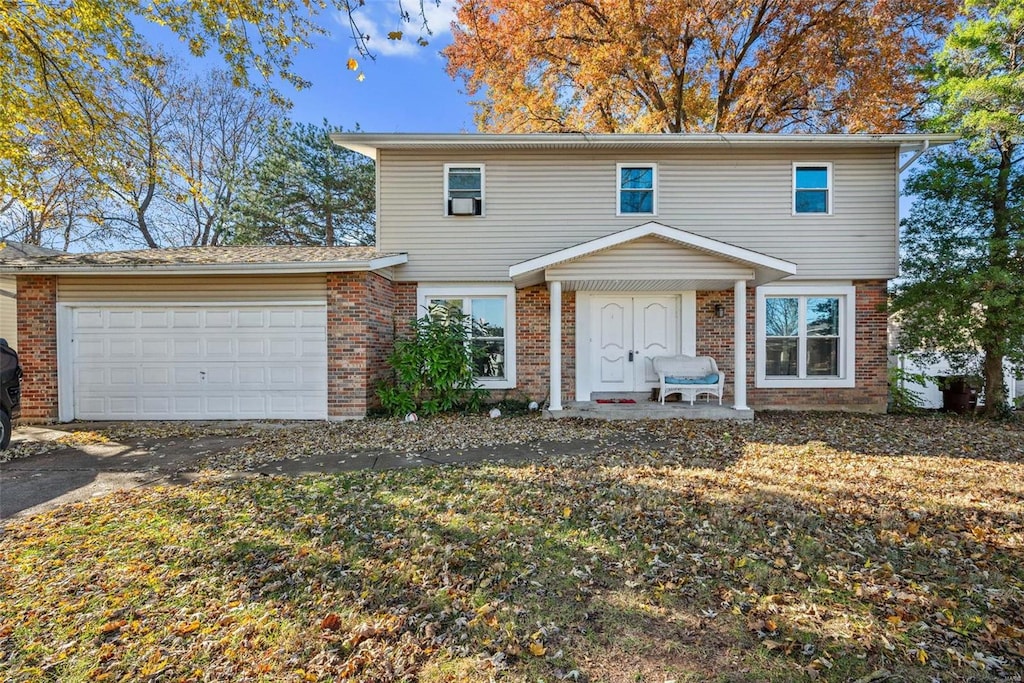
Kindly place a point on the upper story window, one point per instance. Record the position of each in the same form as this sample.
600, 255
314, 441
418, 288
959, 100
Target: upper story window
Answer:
812, 188
464, 189
637, 189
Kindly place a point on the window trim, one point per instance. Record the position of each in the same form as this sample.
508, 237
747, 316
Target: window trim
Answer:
483, 189
463, 291
654, 187
847, 334
830, 188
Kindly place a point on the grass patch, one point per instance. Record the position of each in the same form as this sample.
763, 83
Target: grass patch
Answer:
730, 552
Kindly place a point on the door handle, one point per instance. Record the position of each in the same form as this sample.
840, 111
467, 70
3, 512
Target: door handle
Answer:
630, 356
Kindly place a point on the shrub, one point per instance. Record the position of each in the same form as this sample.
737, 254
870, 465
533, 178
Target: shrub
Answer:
903, 399
433, 368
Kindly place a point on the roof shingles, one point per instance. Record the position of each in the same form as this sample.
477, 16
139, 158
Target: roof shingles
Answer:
201, 256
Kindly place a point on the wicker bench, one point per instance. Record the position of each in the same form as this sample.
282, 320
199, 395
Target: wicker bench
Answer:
689, 376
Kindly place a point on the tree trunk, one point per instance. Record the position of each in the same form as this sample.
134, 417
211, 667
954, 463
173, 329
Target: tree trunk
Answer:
995, 389
994, 338
329, 229
140, 219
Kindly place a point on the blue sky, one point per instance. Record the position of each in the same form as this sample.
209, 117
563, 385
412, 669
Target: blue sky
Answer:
405, 89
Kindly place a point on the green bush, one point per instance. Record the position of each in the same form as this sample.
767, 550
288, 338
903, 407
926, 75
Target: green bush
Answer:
903, 399
433, 368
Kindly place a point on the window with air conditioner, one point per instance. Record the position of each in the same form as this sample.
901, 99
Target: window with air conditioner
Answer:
464, 189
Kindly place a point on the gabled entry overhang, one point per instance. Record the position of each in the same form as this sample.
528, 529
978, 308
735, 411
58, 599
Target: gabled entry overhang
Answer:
651, 257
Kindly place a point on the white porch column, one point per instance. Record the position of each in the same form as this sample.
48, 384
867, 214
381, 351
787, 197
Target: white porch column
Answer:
740, 345
555, 353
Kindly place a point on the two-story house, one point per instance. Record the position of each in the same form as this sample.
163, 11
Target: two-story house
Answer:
582, 257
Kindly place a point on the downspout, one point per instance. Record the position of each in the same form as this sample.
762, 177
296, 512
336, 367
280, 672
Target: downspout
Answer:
925, 145
917, 154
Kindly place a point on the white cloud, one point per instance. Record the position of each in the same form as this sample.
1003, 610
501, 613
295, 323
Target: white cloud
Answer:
379, 17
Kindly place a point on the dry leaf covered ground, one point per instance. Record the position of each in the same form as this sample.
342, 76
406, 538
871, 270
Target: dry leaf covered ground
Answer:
829, 547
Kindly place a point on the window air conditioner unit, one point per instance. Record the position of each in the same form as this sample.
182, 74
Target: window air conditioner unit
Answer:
463, 206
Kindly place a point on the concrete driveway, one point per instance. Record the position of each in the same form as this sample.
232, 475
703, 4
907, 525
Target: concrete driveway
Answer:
67, 473
50, 468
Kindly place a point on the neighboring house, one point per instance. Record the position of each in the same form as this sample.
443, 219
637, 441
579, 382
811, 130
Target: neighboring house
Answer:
9, 287
930, 395
581, 257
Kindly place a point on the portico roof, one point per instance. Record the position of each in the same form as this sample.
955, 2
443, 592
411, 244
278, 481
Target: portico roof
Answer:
625, 260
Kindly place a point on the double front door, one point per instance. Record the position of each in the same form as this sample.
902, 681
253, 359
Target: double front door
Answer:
627, 333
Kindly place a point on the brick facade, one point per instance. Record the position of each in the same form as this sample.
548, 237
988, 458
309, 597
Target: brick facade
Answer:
714, 338
360, 335
533, 343
37, 342
406, 307
366, 312
532, 340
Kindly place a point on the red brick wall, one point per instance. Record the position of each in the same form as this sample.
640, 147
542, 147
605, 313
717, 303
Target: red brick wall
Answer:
714, 338
380, 305
533, 343
366, 311
360, 335
37, 346
406, 307
714, 335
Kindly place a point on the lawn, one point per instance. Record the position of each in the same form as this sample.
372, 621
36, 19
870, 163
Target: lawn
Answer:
798, 547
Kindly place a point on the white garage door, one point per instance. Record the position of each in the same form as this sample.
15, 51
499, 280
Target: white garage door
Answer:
208, 362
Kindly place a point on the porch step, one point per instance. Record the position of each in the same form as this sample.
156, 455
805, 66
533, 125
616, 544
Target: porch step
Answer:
649, 410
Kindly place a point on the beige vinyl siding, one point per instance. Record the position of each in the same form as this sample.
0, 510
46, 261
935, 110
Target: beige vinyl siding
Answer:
539, 202
9, 310
191, 288
649, 258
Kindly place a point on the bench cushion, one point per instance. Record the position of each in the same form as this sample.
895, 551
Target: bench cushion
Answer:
711, 378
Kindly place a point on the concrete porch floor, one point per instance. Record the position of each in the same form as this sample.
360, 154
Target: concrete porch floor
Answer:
644, 408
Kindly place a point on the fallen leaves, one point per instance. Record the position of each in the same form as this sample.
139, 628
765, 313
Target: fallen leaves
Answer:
332, 622
184, 628
111, 626
771, 550
82, 438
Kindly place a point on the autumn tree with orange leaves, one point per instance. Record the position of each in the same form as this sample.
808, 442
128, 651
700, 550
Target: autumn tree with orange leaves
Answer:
707, 66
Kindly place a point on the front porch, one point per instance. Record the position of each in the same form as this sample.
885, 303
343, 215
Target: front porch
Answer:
634, 298
615, 406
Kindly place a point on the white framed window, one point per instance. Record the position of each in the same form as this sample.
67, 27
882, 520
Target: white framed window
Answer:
637, 189
805, 336
812, 188
463, 189
492, 313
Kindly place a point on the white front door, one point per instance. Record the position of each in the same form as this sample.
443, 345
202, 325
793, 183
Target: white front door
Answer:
627, 333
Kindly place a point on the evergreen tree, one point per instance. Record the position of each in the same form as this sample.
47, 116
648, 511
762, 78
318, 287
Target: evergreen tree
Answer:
307, 190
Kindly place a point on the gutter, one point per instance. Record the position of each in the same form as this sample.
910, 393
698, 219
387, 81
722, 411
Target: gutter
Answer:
368, 144
206, 269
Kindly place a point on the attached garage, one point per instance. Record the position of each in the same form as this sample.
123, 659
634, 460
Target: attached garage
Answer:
199, 362
205, 333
